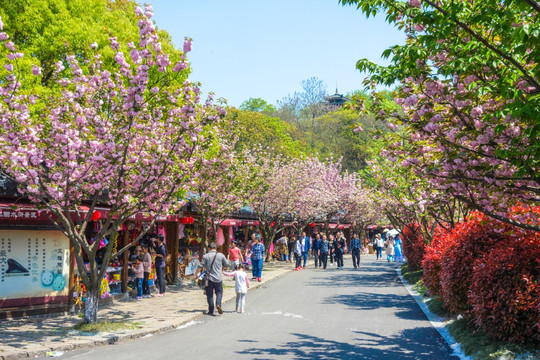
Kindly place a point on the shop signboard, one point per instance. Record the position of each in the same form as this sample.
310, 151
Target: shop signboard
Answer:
34, 267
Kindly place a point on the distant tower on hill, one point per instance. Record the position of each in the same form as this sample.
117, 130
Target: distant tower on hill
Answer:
337, 100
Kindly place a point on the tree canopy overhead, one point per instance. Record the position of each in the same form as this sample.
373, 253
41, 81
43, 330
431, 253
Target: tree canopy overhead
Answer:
471, 98
50, 30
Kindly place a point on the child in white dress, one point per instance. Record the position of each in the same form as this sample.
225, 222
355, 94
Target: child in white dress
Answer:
242, 284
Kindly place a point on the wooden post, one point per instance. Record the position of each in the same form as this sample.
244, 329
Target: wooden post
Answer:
227, 242
71, 275
348, 234
246, 235
125, 260
171, 232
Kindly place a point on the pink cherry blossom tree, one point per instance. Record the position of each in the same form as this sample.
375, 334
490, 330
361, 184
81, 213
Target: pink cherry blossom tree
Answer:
470, 99
217, 191
125, 138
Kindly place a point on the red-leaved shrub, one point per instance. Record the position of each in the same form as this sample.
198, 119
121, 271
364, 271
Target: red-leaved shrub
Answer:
413, 245
473, 238
442, 243
505, 290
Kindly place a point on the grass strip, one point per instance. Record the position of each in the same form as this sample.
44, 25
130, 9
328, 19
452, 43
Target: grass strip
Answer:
106, 326
412, 276
480, 346
474, 342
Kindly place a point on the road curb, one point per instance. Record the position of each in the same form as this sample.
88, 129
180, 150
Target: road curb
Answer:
436, 321
108, 339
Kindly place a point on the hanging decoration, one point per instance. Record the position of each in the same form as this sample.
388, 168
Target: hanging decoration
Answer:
220, 239
96, 215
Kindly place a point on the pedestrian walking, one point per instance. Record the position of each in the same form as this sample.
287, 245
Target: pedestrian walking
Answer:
305, 248
323, 252
290, 247
315, 246
379, 243
389, 245
355, 250
241, 284
138, 269
257, 258
331, 249
147, 267
298, 254
249, 245
283, 248
161, 254
398, 250
234, 256
213, 263
339, 249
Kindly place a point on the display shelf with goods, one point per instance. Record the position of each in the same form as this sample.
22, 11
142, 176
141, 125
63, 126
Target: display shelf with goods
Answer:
114, 278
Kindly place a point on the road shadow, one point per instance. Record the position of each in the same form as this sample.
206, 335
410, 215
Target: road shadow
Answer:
409, 345
356, 280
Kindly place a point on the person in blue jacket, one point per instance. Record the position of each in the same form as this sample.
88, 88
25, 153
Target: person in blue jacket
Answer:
355, 247
305, 247
315, 247
323, 251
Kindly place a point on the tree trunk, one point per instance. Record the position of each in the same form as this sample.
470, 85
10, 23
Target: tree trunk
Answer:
91, 305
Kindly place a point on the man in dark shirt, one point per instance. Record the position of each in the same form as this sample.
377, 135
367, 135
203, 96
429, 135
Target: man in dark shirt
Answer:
315, 247
355, 250
213, 263
323, 252
339, 249
161, 254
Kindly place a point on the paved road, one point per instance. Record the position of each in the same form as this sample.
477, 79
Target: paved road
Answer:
361, 313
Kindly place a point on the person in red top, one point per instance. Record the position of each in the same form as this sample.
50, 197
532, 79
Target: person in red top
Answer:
235, 256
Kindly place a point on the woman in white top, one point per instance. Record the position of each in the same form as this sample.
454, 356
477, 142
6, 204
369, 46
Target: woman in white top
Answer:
241, 286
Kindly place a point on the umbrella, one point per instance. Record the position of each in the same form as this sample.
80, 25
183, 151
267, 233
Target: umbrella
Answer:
385, 230
392, 232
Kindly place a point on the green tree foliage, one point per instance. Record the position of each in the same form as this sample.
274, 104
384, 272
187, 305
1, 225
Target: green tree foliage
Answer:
49, 30
258, 105
255, 128
333, 135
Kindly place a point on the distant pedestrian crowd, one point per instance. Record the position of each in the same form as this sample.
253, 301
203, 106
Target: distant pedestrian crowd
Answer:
325, 250
329, 250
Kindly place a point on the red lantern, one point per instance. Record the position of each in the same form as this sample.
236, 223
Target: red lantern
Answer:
312, 225
184, 220
190, 220
273, 223
96, 216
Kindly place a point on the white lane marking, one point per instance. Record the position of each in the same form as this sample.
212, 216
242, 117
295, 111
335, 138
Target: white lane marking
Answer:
191, 323
287, 314
436, 321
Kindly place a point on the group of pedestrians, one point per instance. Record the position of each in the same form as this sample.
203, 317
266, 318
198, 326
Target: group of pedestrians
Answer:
325, 248
214, 265
391, 246
142, 266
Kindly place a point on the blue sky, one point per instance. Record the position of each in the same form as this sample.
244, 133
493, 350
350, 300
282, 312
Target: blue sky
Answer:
265, 48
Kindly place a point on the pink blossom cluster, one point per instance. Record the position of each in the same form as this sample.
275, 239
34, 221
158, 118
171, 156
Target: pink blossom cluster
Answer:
123, 137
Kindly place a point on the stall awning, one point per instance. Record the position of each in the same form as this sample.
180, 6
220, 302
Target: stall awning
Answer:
250, 222
230, 222
142, 217
340, 226
22, 213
